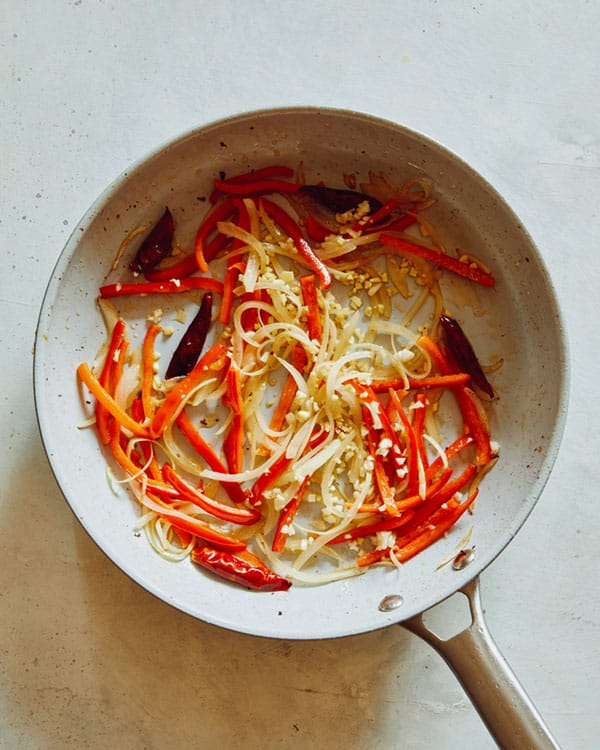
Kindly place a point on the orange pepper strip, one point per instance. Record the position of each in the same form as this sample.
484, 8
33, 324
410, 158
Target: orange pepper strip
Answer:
137, 472
233, 444
148, 368
421, 538
299, 360
381, 479
234, 490
221, 212
191, 525
145, 446
121, 416
287, 515
432, 381
102, 415
309, 297
215, 359
455, 265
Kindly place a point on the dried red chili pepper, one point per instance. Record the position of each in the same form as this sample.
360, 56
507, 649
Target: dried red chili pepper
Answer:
461, 350
190, 347
248, 571
157, 245
338, 200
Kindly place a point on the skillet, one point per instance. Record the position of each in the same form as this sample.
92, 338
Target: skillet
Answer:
522, 322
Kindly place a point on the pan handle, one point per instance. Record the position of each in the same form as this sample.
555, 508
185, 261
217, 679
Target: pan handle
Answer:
502, 703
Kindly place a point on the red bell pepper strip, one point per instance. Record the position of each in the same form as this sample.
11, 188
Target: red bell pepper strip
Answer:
221, 212
309, 297
367, 395
291, 228
401, 223
188, 265
411, 441
192, 342
418, 425
157, 245
431, 381
430, 535
250, 572
286, 517
173, 286
236, 514
422, 533
251, 317
257, 187
377, 216
180, 270
235, 264
268, 479
102, 415
274, 170
386, 491
443, 495
369, 529
215, 359
466, 270
315, 230
233, 489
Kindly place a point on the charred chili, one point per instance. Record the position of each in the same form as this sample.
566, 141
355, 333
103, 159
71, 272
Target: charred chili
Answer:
190, 347
246, 571
157, 245
461, 350
338, 200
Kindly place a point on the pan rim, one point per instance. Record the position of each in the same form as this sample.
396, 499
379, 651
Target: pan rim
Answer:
563, 373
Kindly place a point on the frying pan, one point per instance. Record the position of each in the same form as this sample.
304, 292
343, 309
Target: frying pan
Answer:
521, 323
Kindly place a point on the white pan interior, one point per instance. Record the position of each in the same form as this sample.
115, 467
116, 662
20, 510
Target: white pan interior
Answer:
522, 324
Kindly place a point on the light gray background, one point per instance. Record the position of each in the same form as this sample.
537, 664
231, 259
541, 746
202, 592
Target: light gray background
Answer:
87, 659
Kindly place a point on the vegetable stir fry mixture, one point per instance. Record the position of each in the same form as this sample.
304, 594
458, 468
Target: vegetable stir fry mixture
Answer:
296, 430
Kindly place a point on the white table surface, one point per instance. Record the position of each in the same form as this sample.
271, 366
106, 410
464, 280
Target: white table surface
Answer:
90, 660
